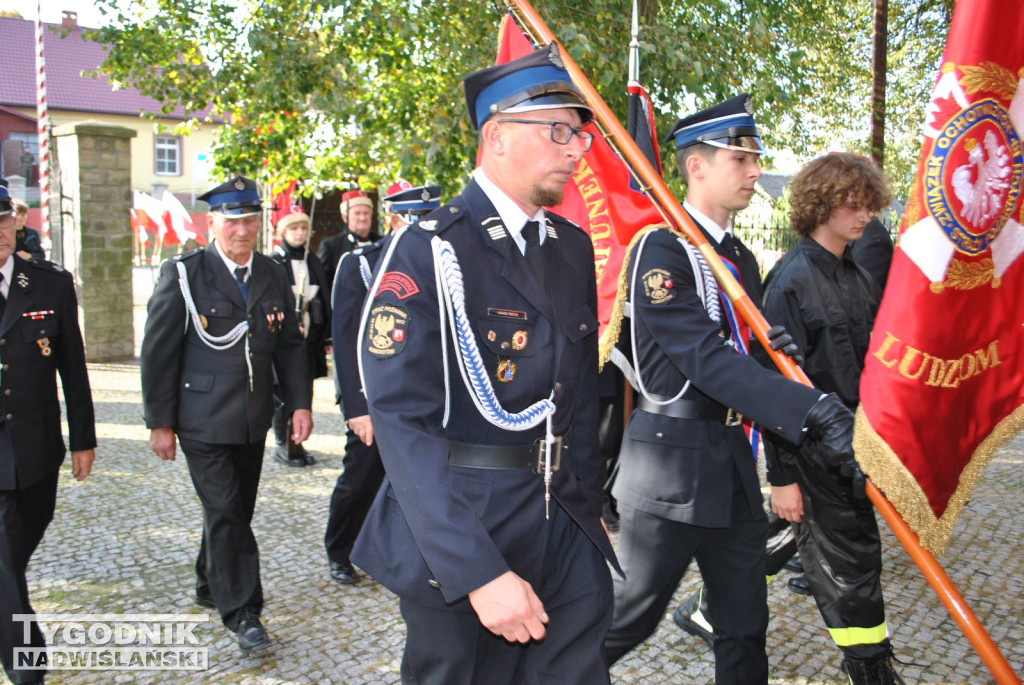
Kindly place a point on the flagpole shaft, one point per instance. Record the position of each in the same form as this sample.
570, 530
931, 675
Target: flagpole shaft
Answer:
663, 196
926, 562
946, 591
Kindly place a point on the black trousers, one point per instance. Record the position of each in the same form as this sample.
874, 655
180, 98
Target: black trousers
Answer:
354, 491
655, 552
842, 557
449, 646
226, 478
24, 517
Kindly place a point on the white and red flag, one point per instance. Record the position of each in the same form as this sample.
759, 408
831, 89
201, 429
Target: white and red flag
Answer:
180, 220
943, 383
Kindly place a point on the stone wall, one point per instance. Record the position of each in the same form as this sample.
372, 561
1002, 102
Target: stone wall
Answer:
94, 159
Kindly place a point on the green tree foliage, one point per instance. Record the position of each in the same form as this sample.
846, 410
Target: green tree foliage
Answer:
369, 92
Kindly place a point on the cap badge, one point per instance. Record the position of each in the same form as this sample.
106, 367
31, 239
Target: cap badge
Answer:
555, 57
239, 185
425, 195
748, 105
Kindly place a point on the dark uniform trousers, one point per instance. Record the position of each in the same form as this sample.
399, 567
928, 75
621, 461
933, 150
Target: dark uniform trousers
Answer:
226, 478
361, 476
24, 516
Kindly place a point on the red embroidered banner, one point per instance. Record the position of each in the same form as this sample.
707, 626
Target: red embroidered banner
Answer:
943, 383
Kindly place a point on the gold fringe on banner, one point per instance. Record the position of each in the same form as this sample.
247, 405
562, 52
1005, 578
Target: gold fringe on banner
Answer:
900, 487
614, 328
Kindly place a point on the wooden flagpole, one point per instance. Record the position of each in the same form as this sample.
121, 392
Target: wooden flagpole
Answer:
655, 185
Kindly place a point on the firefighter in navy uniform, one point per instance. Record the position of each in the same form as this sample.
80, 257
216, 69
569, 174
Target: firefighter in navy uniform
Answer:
687, 486
479, 358
39, 338
220, 320
362, 470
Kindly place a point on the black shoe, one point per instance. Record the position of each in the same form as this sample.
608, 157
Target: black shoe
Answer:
876, 672
251, 635
281, 454
689, 617
308, 458
204, 599
346, 574
800, 585
795, 564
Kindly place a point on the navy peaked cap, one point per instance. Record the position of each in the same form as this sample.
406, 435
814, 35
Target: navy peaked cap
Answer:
237, 197
535, 81
729, 125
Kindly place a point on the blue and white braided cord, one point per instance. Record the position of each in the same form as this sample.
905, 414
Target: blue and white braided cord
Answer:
474, 375
711, 302
364, 271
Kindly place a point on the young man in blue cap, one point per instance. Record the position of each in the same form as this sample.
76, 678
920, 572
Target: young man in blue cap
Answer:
209, 387
687, 486
39, 339
479, 359
362, 470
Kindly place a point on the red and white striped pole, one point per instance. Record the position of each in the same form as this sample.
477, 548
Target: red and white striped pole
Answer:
43, 126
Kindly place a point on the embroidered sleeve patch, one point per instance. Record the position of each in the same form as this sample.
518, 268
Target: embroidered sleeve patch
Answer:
398, 283
386, 330
658, 286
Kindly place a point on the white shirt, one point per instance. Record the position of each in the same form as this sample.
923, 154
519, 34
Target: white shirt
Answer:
8, 271
717, 232
511, 214
231, 266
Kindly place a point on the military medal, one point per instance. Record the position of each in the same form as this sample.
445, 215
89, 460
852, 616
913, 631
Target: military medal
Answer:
506, 370
492, 336
203, 322
44, 346
270, 323
519, 339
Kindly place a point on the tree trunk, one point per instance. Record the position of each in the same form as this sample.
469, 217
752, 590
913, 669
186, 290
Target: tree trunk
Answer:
880, 33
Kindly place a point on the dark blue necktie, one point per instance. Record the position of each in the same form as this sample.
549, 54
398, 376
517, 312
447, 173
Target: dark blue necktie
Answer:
242, 285
534, 257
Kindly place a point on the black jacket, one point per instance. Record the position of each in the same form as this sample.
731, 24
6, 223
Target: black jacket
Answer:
39, 338
828, 305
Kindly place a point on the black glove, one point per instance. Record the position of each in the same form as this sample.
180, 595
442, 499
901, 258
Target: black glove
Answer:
830, 423
779, 339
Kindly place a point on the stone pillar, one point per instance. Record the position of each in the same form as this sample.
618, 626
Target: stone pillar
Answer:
94, 159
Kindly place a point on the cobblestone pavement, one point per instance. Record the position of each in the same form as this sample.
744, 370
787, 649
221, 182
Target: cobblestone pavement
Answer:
124, 541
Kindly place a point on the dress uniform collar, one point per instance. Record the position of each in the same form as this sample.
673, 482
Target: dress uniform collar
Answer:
710, 226
230, 265
512, 216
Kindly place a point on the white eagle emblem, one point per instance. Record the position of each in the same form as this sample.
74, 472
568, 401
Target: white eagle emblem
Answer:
989, 167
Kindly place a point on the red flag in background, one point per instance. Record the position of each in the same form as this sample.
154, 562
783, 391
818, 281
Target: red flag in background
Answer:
598, 197
158, 215
943, 383
283, 202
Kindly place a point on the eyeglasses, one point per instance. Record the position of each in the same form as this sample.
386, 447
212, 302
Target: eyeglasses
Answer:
561, 132
7, 220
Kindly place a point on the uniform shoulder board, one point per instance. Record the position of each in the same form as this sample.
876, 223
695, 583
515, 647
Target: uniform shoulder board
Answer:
51, 267
439, 219
186, 255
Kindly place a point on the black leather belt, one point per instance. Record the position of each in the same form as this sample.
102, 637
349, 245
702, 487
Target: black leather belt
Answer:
507, 456
692, 409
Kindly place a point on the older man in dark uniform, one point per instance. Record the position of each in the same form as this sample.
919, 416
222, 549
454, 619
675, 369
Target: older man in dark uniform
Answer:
220, 320
687, 486
39, 338
357, 210
479, 355
362, 470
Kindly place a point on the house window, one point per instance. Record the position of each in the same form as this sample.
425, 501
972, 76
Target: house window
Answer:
167, 156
